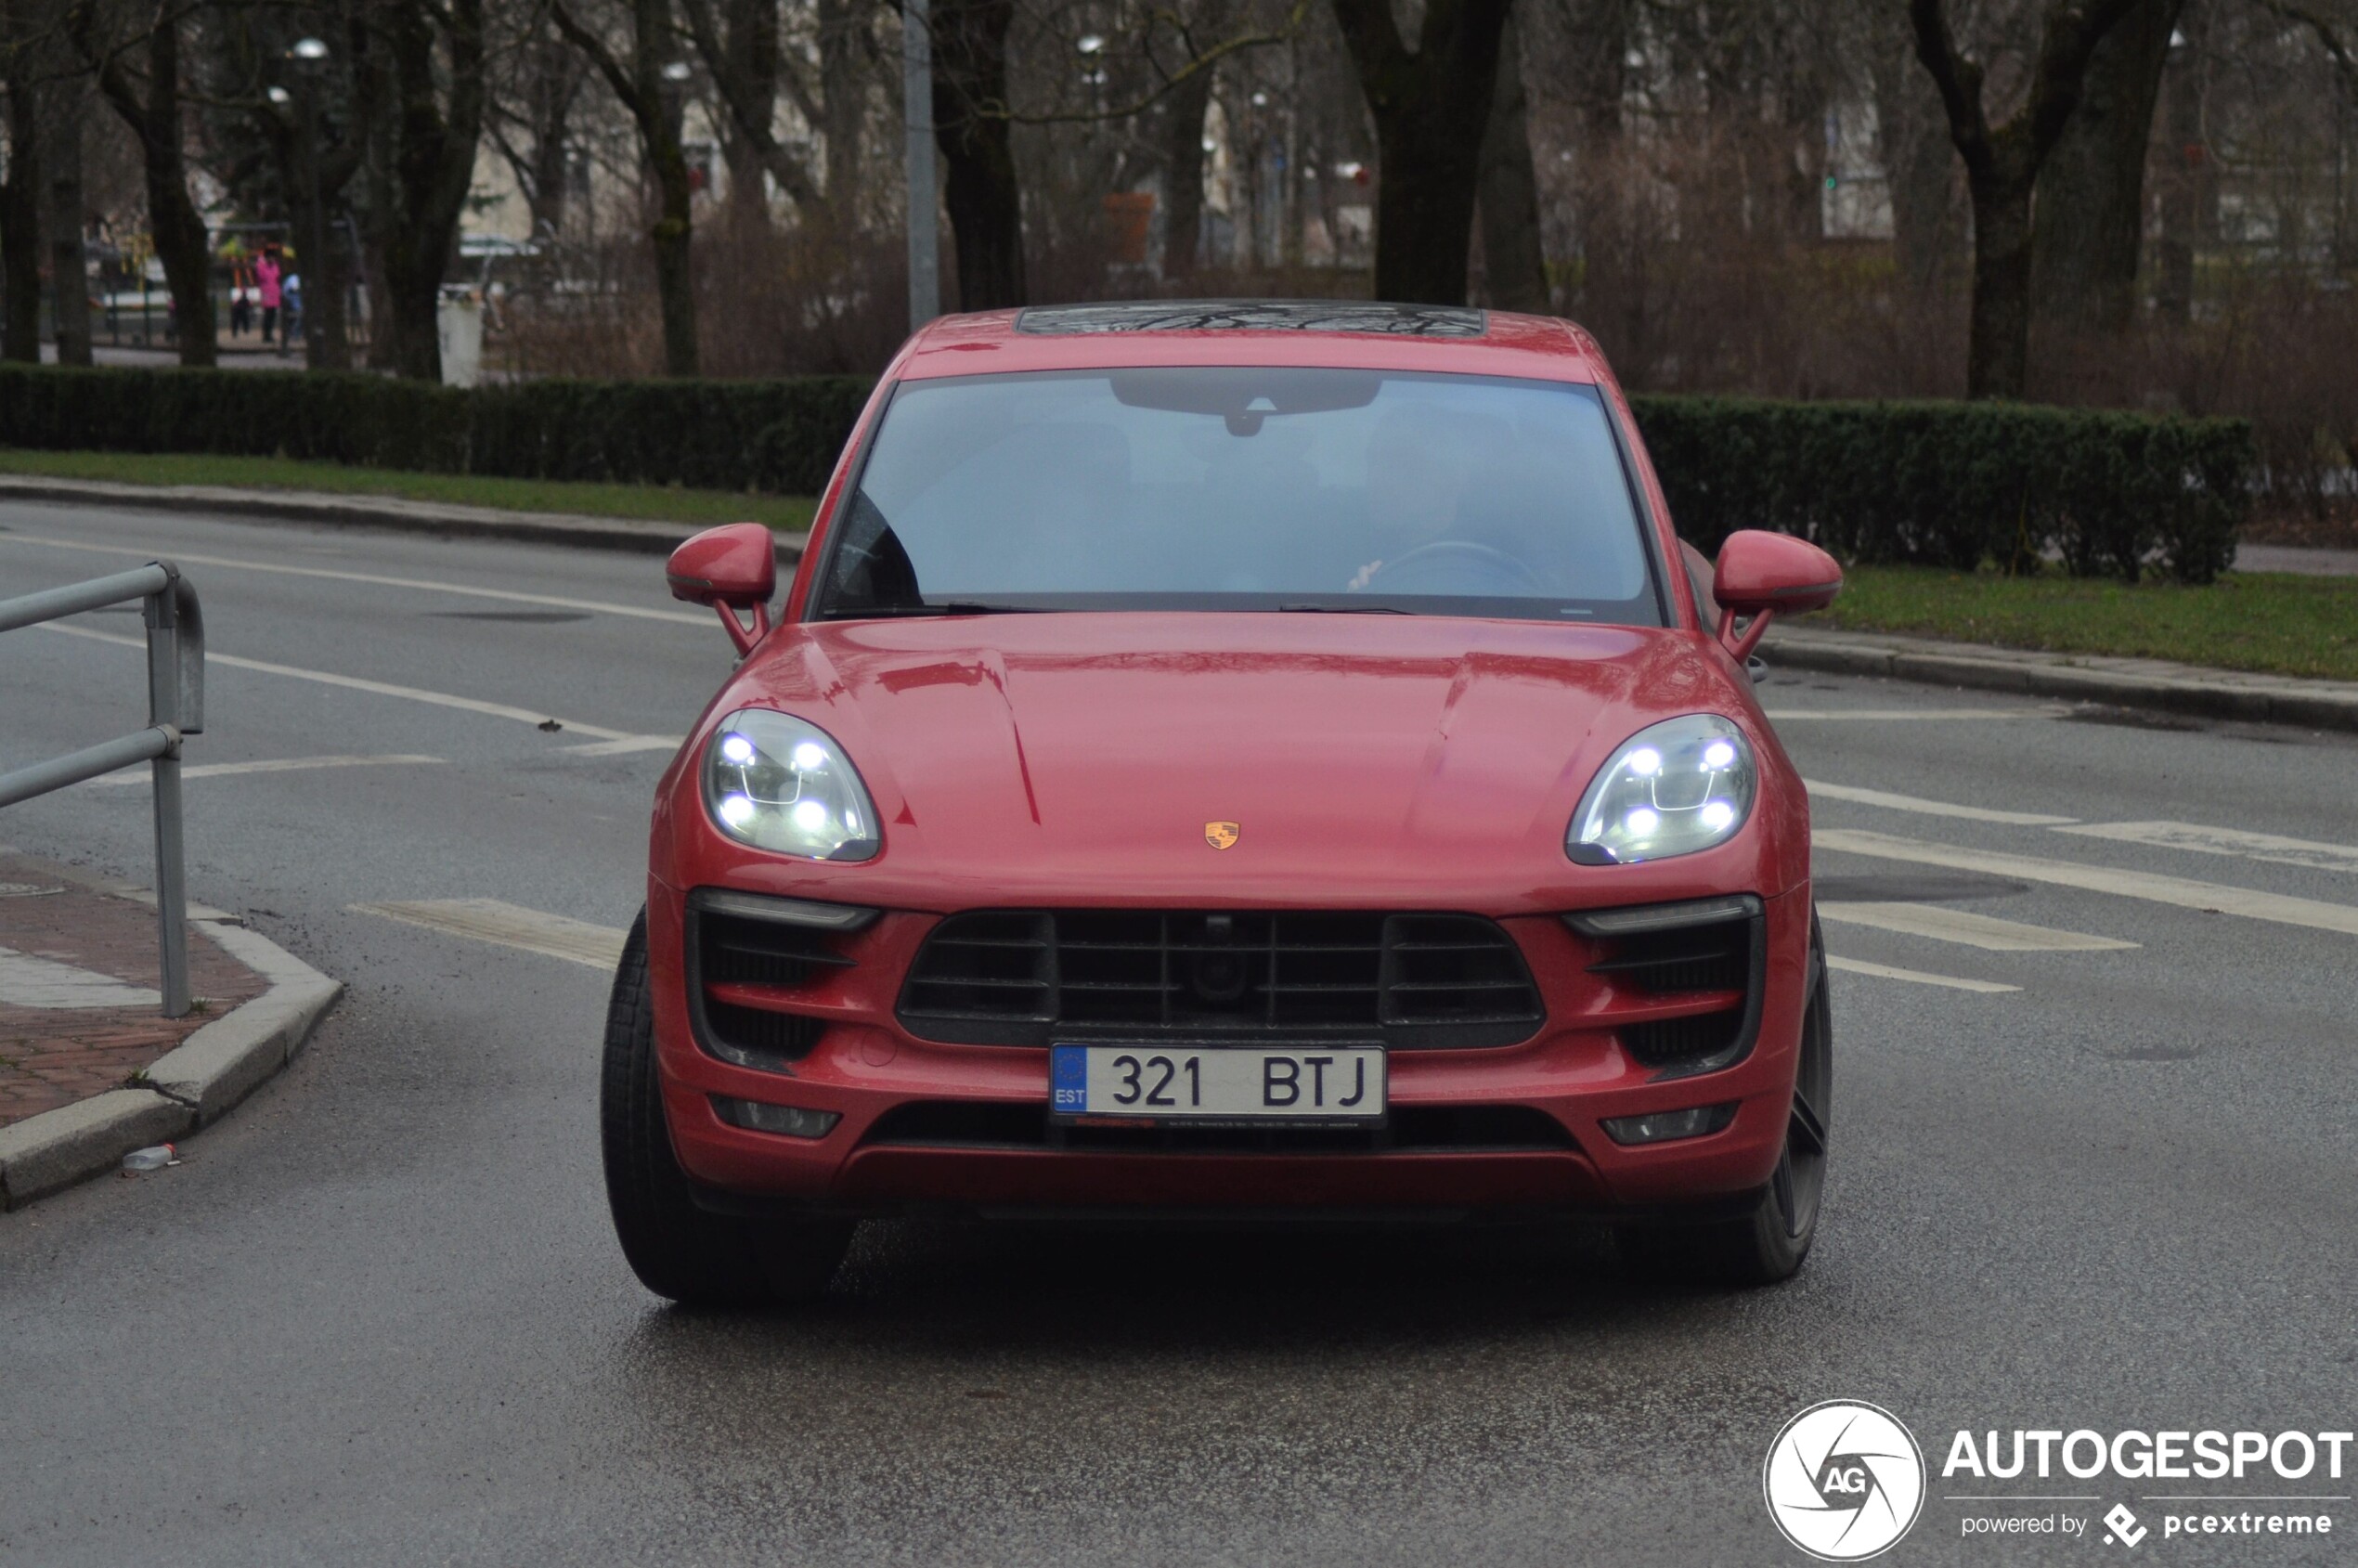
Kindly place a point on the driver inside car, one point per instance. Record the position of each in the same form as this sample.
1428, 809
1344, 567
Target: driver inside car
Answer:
1423, 464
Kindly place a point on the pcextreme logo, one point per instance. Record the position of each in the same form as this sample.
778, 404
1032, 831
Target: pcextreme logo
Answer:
1844, 1481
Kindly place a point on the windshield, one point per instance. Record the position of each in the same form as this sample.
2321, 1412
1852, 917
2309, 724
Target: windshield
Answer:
1251, 488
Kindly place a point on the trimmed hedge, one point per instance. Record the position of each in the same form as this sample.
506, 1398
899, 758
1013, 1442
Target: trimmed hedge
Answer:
1957, 484
779, 435
1936, 483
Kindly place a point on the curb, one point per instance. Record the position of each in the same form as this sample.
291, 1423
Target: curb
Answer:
189, 1086
2143, 683
450, 521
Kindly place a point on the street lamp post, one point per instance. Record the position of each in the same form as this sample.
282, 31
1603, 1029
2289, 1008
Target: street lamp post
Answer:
310, 55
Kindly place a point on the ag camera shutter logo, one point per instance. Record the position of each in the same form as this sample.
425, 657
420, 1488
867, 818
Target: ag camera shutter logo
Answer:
1844, 1481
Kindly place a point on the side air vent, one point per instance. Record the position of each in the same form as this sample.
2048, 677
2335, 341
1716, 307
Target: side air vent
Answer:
1687, 976
748, 956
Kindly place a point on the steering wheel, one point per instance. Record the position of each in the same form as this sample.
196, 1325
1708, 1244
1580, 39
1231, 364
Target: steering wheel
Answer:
1459, 568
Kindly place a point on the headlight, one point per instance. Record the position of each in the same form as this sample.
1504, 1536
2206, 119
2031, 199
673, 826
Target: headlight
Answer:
1673, 788
775, 783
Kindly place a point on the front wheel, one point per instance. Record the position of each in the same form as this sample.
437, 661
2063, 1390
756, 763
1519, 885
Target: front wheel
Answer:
677, 1250
1768, 1245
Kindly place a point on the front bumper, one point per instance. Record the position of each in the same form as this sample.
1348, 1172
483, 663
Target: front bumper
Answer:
880, 1156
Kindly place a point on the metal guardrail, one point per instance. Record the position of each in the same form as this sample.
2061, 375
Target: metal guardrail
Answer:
175, 709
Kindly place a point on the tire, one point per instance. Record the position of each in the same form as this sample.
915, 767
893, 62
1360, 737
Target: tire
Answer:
1766, 1247
678, 1250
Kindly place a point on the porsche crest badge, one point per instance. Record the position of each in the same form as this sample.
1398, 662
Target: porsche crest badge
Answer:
1220, 835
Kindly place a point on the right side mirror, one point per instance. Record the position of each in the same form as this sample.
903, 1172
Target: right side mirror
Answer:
733, 567
1759, 574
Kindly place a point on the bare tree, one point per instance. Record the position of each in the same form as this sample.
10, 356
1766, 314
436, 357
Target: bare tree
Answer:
2002, 168
150, 102
1431, 104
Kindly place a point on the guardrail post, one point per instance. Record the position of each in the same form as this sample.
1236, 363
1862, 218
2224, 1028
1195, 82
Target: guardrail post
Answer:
163, 712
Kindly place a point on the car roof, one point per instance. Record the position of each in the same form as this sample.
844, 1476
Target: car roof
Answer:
1353, 334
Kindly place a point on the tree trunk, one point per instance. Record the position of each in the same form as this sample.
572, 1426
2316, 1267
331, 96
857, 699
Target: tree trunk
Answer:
2091, 194
1183, 113
20, 229
1512, 253
1430, 107
1997, 354
433, 166
673, 236
183, 243
2001, 169
67, 101
979, 188
328, 297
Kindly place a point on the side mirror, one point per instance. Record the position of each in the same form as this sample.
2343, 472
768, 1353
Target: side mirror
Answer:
1759, 574
733, 568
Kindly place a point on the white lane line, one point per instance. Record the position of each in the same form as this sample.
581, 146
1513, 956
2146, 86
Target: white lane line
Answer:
27, 981
422, 584
274, 765
2185, 893
535, 716
1881, 714
491, 920
2271, 847
1962, 925
627, 744
1914, 977
1932, 808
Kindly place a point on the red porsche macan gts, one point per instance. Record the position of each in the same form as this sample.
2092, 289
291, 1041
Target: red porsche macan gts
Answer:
1224, 758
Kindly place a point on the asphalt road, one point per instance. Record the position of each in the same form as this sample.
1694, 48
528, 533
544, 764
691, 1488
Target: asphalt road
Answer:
378, 1314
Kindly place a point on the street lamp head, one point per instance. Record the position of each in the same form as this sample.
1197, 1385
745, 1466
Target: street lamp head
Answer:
279, 96
310, 51
1091, 44
677, 71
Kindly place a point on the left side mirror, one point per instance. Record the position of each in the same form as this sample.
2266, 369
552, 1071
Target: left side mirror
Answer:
733, 568
1760, 574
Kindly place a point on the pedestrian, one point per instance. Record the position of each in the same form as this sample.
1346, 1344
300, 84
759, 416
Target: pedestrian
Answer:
290, 288
265, 276
240, 303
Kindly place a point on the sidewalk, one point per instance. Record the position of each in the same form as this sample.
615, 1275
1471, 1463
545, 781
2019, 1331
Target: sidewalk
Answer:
374, 511
2148, 683
89, 1067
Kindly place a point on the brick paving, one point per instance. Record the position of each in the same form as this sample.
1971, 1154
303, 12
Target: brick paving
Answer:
51, 1057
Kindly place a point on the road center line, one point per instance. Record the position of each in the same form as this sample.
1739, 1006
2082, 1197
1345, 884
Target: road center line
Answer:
273, 765
2271, 847
422, 584
2185, 893
534, 717
1985, 931
1932, 808
1914, 977
492, 920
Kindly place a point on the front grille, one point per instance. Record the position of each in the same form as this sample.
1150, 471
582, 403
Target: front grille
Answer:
762, 951
1412, 1130
1027, 976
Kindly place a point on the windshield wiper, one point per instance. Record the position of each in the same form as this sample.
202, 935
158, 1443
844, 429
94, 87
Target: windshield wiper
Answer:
1344, 610
947, 607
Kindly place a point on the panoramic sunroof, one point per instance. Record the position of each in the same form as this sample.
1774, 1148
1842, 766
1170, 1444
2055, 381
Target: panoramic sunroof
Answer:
1279, 315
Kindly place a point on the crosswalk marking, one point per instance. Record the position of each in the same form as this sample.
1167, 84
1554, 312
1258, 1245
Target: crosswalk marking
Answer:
1931, 808
493, 920
1962, 925
2228, 841
272, 765
1939, 714
2183, 892
1914, 977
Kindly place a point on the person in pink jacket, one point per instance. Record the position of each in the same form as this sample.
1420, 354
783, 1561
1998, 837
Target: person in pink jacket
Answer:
265, 277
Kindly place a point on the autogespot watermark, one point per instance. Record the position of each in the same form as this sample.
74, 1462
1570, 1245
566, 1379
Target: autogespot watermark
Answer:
1845, 1481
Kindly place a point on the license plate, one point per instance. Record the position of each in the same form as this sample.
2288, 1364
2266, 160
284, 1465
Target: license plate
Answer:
1218, 1082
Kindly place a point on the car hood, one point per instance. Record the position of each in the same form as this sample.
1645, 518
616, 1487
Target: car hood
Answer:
1089, 756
